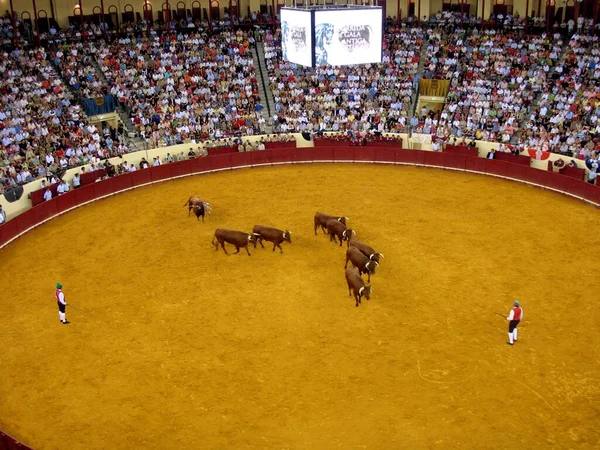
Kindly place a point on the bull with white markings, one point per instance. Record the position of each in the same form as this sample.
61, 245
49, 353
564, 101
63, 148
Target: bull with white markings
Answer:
274, 235
338, 230
238, 239
365, 249
361, 262
195, 203
356, 285
321, 220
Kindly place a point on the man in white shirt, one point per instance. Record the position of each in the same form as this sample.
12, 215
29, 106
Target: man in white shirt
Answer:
47, 195
2, 215
76, 181
514, 317
60, 190
592, 176
62, 304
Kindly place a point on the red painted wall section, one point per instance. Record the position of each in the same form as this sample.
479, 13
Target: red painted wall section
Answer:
517, 170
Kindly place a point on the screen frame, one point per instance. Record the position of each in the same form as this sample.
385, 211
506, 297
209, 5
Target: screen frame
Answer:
320, 8
311, 31
313, 10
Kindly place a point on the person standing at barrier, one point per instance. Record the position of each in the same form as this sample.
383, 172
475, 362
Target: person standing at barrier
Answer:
514, 317
62, 304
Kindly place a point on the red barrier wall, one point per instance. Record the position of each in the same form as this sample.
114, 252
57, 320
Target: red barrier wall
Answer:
8, 443
92, 191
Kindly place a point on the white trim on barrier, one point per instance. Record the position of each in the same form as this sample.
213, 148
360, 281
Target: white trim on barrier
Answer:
293, 162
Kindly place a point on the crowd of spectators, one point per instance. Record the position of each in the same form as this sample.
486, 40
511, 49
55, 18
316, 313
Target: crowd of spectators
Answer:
177, 87
75, 64
494, 76
566, 117
42, 130
355, 98
194, 86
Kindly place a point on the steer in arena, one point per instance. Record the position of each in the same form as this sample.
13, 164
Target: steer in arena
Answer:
239, 239
322, 218
194, 202
263, 233
361, 262
365, 249
338, 230
356, 285
199, 211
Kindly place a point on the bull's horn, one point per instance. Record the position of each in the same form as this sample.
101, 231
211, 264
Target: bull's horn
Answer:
256, 234
371, 257
353, 233
376, 262
288, 231
360, 291
344, 233
380, 254
347, 218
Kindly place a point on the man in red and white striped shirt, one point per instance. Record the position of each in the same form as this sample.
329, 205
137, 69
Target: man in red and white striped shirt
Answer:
514, 317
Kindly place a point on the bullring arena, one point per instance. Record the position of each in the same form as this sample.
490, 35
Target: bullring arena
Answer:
460, 139
176, 345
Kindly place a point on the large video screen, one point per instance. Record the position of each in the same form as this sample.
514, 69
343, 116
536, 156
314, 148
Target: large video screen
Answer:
348, 36
296, 36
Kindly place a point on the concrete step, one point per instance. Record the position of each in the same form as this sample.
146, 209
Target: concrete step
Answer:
419, 74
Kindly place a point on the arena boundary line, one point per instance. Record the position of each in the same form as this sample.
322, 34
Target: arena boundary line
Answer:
280, 163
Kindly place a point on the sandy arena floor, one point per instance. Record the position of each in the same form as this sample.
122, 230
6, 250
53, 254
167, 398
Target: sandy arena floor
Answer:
177, 346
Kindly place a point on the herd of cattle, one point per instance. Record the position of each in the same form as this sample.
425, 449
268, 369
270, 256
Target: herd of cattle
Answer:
364, 259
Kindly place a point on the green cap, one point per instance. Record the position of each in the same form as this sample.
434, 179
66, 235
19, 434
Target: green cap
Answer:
58, 286
517, 303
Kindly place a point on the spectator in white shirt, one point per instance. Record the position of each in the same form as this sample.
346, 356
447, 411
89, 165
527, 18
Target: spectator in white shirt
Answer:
60, 190
2, 215
76, 181
47, 195
592, 176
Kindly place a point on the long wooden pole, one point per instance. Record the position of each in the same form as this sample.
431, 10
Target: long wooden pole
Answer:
482, 14
81, 16
102, 20
35, 25
168, 15
14, 25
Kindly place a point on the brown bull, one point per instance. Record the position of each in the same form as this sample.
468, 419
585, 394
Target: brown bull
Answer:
361, 262
238, 239
321, 220
194, 202
263, 233
356, 285
338, 230
365, 249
